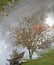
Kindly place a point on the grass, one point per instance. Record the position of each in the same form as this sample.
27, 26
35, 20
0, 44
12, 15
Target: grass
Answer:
46, 59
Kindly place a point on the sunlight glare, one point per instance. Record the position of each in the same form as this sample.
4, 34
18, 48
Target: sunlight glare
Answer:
49, 21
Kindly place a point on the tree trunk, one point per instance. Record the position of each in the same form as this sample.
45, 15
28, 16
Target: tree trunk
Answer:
30, 54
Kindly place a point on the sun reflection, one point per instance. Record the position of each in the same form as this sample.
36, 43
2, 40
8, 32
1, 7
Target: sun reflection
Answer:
49, 21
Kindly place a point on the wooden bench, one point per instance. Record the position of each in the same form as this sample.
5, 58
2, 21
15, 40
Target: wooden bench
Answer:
15, 60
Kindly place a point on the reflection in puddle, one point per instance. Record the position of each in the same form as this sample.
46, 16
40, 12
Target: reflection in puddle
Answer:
6, 49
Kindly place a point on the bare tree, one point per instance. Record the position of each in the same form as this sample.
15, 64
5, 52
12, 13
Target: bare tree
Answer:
27, 37
30, 34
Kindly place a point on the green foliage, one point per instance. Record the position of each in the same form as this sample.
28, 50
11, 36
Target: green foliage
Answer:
2, 4
47, 59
